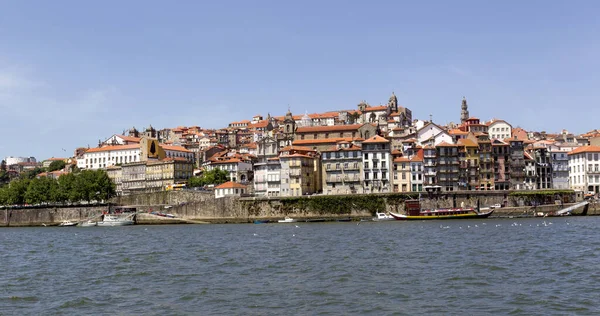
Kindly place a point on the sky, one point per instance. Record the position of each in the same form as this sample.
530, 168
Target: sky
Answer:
76, 72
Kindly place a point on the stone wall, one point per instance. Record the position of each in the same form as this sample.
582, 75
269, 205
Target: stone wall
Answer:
48, 216
202, 206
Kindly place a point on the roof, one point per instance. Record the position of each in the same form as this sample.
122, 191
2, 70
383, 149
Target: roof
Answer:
112, 148
402, 159
376, 139
585, 149
300, 148
467, 142
332, 128
230, 185
322, 141
175, 148
296, 155
376, 108
445, 144
130, 138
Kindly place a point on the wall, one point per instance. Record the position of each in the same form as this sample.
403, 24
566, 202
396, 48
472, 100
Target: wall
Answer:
48, 216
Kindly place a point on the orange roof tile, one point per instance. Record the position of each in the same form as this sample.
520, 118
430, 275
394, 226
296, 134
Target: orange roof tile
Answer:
585, 149
332, 128
175, 148
230, 185
376, 108
113, 148
445, 144
376, 139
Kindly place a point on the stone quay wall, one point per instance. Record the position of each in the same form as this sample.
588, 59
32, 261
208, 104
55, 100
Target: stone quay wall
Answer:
196, 206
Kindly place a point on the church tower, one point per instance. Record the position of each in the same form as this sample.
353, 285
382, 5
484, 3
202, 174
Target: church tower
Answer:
393, 103
464, 111
289, 127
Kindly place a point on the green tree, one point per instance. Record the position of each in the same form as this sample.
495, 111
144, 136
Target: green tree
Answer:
215, 176
66, 185
106, 187
16, 191
4, 195
41, 190
195, 182
56, 165
30, 174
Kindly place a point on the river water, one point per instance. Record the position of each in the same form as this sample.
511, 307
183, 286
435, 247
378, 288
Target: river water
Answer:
465, 267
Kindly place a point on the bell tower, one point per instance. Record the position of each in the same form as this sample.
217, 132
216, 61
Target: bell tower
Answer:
464, 111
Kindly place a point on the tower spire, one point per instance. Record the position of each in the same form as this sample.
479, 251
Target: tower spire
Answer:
464, 111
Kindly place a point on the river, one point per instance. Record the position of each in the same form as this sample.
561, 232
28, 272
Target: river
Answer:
515, 266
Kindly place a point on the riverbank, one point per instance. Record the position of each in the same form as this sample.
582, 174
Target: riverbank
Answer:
198, 208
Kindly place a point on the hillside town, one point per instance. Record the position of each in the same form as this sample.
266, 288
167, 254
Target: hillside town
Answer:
367, 149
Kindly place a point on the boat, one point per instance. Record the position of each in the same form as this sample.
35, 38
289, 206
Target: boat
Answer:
414, 212
67, 223
383, 217
287, 220
88, 223
261, 221
116, 220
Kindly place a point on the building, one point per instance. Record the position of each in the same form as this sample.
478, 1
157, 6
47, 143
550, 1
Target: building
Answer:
543, 166
376, 165
500, 164
402, 174
229, 189
499, 129
584, 166
10, 160
430, 169
468, 155
239, 170
530, 172
560, 168
149, 176
268, 162
447, 166
416, 171
302, 167
341, 167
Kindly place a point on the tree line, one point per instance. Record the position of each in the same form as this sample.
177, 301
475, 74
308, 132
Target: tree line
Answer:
77, 186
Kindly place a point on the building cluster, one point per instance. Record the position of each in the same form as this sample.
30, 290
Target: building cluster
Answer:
369, 149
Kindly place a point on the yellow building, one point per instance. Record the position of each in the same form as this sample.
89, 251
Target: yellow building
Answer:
401, 174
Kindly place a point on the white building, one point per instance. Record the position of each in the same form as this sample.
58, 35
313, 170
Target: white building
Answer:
499, 129
178, 151
10, 160
432, 134
584, 169
377, 163
102, 157
229, 189
238, 169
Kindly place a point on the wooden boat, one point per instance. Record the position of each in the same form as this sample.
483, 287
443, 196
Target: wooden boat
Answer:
414, 212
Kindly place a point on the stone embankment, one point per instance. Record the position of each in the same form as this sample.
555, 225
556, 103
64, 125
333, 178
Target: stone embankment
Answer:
201, 207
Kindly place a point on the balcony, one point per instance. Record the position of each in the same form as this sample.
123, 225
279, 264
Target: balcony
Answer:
351, 179
351, 167
333, 179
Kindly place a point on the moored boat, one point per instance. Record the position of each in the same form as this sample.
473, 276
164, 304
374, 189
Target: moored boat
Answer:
116, 220
414, 212
287, 220
383, 217
88, 223
67, 223
261, 221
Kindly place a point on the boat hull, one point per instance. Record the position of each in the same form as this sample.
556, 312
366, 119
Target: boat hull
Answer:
402, 217
116, 223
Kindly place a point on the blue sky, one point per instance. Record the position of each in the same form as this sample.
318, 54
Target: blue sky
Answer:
74, 72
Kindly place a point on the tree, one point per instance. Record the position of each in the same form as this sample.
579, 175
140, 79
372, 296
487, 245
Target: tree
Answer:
30, 174
214, 176
56, 165
41, 190
16, 191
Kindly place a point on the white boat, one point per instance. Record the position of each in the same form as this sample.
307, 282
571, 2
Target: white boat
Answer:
116, 220
89, 223
382, 217
67, 223
287, 220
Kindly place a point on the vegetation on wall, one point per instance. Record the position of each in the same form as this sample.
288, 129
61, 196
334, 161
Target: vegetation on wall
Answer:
215, 176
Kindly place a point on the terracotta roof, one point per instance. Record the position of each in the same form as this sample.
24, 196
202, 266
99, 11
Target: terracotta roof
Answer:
130, 138
322, 141
231, 160
332, 128
418, 157
292, 147
175, 159
376, 108
113, 148
467, 142
445, 144
585, 149
376, 139
175, 148
230, 185
336, 148
457, 132
401, 159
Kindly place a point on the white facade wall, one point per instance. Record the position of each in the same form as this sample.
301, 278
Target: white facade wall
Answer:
584, 171
102, 159
15, 160
500, 130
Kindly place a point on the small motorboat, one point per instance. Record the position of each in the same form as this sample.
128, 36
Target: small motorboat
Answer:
382, 217
67, 223
89, 223
287, 220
